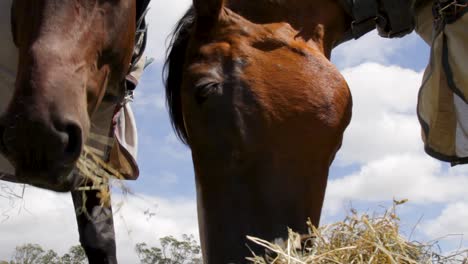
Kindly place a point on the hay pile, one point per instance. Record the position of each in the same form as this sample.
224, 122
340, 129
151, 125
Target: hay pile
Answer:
358, 239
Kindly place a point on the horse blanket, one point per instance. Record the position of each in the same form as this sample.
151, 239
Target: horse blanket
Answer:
443, 98
113, 135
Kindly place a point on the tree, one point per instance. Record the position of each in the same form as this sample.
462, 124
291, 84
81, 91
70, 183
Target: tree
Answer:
50, 257
28, 254
75, 255
172, 251
35, 254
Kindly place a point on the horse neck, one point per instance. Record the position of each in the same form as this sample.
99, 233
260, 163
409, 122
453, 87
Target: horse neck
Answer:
322, 22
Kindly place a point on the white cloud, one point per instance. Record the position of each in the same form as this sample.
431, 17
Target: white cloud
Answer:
384, 140
419, 178
376, 87
452, 221
47, 218
173, 217
371, 139
370, 47
384, 118
162, 18
149, 102
40, 217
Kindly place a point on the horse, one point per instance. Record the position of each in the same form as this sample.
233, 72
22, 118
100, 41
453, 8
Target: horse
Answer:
74, 57
250, 89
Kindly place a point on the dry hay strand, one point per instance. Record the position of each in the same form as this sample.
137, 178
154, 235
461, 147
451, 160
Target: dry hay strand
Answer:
358, 239
98, 175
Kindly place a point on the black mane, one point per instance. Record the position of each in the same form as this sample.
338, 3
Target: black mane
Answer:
173, 71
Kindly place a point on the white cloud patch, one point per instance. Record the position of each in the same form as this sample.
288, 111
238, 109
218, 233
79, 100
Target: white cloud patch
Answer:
452, 221
369, 48
149, 102
384, 118
384, 140
162, 18
172, 217
419, 178
47, 218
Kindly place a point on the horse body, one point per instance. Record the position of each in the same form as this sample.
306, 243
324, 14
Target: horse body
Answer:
263, 111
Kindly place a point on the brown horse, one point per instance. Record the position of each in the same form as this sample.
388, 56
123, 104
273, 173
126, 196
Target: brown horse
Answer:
71, 55
251, 90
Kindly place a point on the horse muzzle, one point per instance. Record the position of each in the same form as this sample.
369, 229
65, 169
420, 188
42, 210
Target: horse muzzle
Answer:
43, 151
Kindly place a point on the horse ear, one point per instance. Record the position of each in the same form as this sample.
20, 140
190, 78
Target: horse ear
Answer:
208, 10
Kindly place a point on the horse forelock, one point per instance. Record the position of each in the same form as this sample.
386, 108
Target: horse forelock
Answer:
173, 72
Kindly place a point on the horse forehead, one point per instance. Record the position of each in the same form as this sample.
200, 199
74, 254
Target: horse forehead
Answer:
215, 49
238, 43
234, 43
235, 34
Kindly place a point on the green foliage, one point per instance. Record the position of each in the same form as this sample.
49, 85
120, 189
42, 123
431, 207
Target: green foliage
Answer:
28, 254
172, 251
35, 254
50, 257
75, 255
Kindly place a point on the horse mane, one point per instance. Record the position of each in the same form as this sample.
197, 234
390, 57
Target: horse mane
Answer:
173, 72
141, 6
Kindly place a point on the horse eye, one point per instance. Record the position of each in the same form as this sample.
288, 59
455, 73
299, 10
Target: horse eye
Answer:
203, 91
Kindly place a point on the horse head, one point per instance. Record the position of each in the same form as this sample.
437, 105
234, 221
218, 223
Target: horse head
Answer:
251, 90
70, 51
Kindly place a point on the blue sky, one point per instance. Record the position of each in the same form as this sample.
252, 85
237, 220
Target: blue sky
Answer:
382, 156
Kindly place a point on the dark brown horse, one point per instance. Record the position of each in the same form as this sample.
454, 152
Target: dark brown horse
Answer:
71, 54
251, 90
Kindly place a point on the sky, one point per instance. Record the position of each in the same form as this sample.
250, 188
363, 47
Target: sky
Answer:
382, 158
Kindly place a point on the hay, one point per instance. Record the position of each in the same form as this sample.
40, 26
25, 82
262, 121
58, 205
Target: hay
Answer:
358, 239
98, 175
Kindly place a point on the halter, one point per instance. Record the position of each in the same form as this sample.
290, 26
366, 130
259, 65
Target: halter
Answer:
393, 18
106, 135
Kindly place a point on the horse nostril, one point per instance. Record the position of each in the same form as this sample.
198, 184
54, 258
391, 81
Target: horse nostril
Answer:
73, 142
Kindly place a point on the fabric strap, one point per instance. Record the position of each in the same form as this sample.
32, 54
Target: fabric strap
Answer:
392, 18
